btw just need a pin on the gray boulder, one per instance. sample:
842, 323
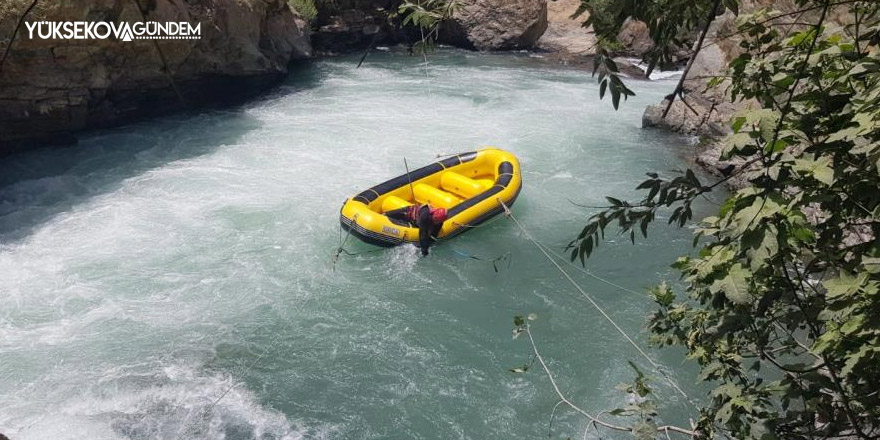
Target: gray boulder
635, 37
565, 34
496, 24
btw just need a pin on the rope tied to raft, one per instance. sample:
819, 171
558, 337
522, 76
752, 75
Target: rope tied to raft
591, 274
342, 241
641, 352
478, 225
494, 261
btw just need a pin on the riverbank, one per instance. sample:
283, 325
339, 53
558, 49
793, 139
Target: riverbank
50, 90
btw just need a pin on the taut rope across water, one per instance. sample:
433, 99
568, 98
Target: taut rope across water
655, 365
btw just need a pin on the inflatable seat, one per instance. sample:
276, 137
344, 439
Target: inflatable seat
460, 185
435, 197
393, 202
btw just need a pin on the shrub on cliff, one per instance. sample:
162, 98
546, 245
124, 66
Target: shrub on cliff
305, 8
780, 305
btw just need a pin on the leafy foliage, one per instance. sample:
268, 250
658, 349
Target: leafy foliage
640, 410
668, 21
609, 78
782, 299
640, 406
426, 15
306, 8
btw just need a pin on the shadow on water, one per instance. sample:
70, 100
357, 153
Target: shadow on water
39, 184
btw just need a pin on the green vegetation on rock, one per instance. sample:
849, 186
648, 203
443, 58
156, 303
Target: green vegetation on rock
780, 305
305, 8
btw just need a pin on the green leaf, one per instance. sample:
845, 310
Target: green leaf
853, 324
828, 340
782, 80
738, 123
735, 143
717, 257
872, 264
734, 285
819, 169
724, 413
766, 248
800, 37
843, 284
864, 355
663, 295
753, 214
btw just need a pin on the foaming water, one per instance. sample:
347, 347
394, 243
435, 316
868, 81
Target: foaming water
657, 73
173, 279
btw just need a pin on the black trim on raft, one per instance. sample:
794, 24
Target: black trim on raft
486, 216
403, 180
505, 170
458, 159
469, 156
461, 207
504, 179
450, 161
368, 196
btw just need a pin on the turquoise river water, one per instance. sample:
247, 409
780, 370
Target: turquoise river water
172, 278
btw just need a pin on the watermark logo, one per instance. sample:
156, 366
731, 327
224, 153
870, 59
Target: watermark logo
101, 30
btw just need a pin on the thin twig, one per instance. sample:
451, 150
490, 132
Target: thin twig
800, 75
553, 413
15, 32
680, 86
604, 314
168, 73
593, 419
716, 39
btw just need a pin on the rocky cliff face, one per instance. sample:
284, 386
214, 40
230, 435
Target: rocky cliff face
635, 37
53, 87
708, 110
353, 25
565, 34
496, 24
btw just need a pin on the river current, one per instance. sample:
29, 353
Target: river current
173, 278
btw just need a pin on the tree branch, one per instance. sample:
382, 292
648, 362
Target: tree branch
844, 398
15, 32
593, 419
767, 20
680, 86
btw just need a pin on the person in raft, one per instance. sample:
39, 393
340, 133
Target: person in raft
428, 219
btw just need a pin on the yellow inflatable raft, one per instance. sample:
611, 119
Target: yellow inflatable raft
468, 185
